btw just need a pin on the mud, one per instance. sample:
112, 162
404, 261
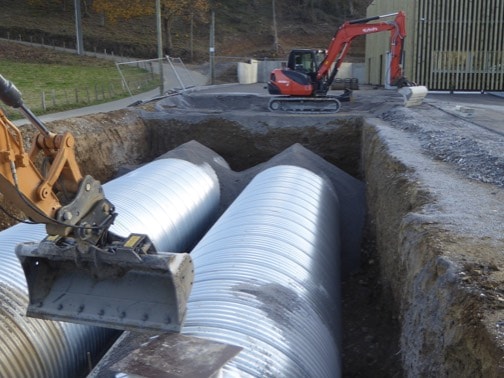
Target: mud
428, 299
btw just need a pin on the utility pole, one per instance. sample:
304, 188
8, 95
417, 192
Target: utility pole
78, 28
191, 42
159, 45
212, 49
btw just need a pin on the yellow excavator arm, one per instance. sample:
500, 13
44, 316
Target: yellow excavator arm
59, 197
80, 268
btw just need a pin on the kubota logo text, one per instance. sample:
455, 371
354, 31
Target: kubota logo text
369, 30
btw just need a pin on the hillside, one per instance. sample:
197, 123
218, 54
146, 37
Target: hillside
243, 28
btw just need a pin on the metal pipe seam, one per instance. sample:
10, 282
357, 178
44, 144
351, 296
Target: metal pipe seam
171, 200
267, 277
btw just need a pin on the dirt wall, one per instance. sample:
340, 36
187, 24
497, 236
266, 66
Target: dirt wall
248, 139
439, 263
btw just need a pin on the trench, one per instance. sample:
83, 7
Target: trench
370, 320
403, 312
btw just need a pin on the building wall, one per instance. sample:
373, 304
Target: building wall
450, 44
377, 45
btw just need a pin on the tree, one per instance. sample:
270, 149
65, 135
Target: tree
171, 10
115, 10
46, 3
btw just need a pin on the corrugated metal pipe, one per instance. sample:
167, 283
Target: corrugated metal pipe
171, 200
267, 278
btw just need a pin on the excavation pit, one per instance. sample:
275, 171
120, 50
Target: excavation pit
427, 298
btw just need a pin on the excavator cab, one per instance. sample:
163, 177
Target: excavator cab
81, 272
306, 60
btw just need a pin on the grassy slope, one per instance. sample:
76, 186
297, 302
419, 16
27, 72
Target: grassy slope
243, 28
60, 75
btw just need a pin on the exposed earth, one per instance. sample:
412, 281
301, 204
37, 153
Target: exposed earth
428, 299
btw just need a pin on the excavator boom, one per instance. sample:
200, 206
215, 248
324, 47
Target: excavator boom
81, 272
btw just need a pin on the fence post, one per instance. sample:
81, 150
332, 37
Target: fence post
43, 101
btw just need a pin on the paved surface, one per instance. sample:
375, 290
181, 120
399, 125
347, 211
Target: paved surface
484, 110
101, 108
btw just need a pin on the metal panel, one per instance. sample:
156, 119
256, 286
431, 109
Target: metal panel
170, 199
455, 44
267, 278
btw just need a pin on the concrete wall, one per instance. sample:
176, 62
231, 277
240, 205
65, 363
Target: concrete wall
247, 72
351, 71
265, 67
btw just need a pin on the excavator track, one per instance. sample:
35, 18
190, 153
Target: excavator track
304, 105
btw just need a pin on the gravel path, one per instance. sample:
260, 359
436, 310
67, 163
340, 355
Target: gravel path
474, 145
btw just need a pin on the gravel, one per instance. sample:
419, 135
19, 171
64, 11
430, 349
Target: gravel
475, 151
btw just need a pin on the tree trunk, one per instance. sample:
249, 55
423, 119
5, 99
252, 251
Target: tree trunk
86, 8
191, 36
275, 31
313, 14
167, 26
351, 8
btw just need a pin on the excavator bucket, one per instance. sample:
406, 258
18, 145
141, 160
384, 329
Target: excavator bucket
121, 290
413, 95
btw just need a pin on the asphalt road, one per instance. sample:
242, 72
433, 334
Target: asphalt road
485, 110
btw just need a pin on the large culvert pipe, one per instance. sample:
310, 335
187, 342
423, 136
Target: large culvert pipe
267, 278
171, 200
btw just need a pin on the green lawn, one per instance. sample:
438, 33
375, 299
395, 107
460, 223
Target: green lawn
51, 87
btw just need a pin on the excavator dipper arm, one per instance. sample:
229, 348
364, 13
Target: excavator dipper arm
81, 272
341, 42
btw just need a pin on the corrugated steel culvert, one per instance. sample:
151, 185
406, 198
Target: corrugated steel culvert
267, 278
171, 200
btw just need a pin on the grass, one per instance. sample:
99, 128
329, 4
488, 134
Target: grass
54, 81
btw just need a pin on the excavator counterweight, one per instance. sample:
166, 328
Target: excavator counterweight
81, 272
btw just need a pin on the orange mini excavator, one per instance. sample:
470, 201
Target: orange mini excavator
80, 265
304, 84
